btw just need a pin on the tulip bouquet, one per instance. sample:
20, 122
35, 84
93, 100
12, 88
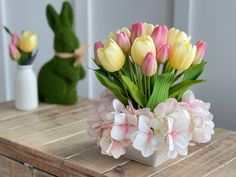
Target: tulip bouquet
148, 70
22, 47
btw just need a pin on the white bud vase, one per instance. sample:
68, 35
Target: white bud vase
26, 90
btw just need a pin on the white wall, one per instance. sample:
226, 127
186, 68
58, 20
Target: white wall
212, 21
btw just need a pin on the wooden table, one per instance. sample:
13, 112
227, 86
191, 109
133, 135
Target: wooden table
52, 141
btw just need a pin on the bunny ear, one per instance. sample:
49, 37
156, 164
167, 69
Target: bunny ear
66, 14
53, 17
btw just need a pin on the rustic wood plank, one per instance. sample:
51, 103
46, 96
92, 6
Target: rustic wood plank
8, 110
141, 170
92, 162
24, 155
39, 173
205, 161
36, 117
54, 134
68, 147
44, 125
10, 168
227, 170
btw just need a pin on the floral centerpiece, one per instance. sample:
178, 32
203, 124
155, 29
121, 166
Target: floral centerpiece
148, 70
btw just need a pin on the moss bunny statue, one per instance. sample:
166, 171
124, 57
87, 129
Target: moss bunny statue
58, 78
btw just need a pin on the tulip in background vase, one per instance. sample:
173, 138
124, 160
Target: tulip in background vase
21, 50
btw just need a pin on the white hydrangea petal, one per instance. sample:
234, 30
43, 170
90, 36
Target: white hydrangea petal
171, 143
140, 141
172, 154
147, 151
183, 152
118, 106
143, 124
182, 140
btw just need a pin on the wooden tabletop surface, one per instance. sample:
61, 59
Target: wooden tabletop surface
54, 139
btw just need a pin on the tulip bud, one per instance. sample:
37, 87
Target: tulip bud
123, 41
163, 53
201, 46
137, 30
141, 46
182, 55
97, 45
28, 41
149, 64
148, 28
176, 36
14, 52
112, 35
15, 39
111, 57
159, 36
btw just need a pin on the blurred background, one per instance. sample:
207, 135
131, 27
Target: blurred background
212, 21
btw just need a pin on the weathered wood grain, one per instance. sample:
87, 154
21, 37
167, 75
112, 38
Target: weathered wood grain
133, 167
10, 168
226, 170
39, 173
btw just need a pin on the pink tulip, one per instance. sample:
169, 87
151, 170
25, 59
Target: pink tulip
123, 41
97, 45
14, 52
201, 46
163, 53
15, 39
149, 64
159, 36
137, 30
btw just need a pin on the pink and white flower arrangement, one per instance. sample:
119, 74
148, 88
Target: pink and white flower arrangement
148, 71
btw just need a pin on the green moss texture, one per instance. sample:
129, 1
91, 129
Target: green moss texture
58, 78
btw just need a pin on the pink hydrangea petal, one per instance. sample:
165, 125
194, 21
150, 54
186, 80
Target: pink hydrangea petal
165, 108
115, 149
188, 96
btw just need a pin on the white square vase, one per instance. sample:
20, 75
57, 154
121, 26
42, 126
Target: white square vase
155, 159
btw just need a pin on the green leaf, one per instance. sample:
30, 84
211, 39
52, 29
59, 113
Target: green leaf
161, 90
194, 71
7, 30
178, 89
136, 94
116, 89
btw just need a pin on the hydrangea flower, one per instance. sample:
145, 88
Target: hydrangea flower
202, 126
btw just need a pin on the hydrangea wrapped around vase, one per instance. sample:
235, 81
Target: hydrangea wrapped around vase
148, 112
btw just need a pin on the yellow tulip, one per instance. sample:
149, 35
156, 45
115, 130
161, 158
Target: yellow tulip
141, 46
176, 36
182, 55
148, 28
111, 57
28, 41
